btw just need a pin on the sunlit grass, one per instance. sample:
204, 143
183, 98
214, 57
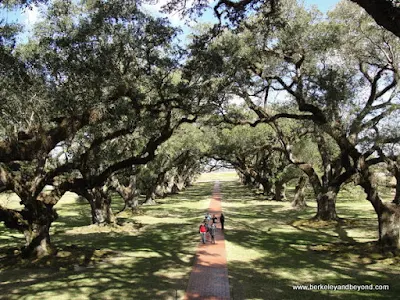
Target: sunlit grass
149, 255
271, 247
10, 200
220, 176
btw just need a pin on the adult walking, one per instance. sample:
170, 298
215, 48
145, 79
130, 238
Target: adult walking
222, 220
209, 278
212, 233
214, 219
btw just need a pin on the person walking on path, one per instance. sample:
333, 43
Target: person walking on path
222, 220
207, 217
212, 233
209, 278
214, 219
207, 224
203, 232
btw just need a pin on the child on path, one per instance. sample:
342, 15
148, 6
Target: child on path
203, 232
222, 220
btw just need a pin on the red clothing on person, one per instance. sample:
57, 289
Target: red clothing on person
203, 228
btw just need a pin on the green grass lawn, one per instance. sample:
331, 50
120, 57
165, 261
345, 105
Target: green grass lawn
271, 247
149, 255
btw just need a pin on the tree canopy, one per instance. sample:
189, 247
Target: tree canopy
105, 97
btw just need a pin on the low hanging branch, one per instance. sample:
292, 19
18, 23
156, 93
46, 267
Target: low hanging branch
385, 12
13, 219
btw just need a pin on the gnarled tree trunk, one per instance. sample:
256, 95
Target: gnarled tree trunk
388, 213
385, 12
175, 189
246, 179
180, 182
299, 201
326, 205
100, 204
396, 173
161, 190
396, 199
280, 188
131, 202
326, 195
169, 185
390, 226
267, 188
40, 216
150, 196
37, 240
36, 231
128, 193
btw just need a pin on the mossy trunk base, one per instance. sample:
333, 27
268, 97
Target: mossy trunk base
326, 207
390, 227
299, 201
37, 242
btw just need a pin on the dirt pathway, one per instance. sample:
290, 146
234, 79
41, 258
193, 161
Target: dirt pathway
209, 277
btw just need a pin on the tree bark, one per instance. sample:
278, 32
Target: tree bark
40, 216
325, 194
388, 213
169, 185
100, 204
180, 182
396, 172
36, 231
396, 199
128, 193
326, 205
280, 188
38, 241
390, 226
247, 179
267, 188
175, 189
130, 203
150, 199
35, 219
385, 12
299, 197
161, 190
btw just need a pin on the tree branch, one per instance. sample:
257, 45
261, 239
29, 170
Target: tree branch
385, 12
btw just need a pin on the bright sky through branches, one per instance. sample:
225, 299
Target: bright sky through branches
176, 20
29, 16
322, 5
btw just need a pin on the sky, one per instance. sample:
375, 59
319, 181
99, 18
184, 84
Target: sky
323, 5
29, 16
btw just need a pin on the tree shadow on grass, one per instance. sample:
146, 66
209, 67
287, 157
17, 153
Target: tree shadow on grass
131, 267
151, 262
191, 194
301, 258
278, 254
